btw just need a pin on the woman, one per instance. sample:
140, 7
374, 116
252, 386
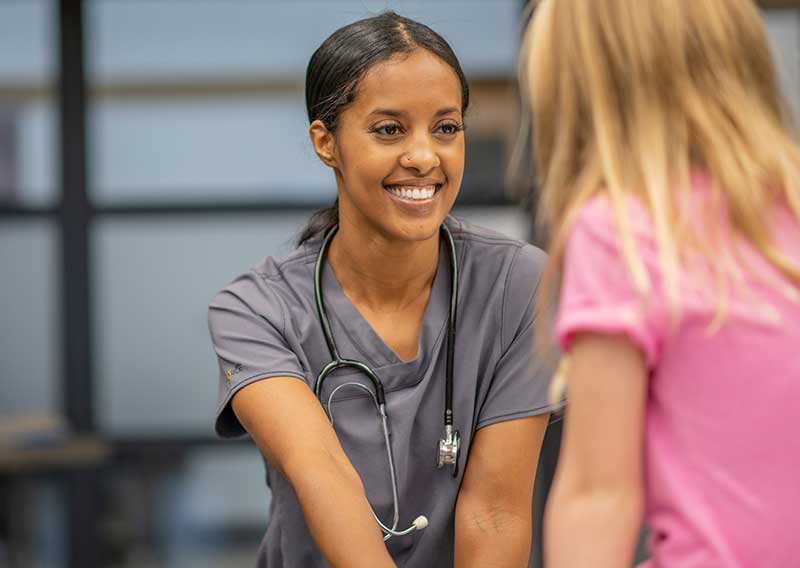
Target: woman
671, 186
386, 100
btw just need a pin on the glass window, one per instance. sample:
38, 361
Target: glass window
27, 111
207, 509
160, 151
30, 322
510, 220
245, 500
156, 371
783, 27
27, 32
167, 149
173, 40
207, 103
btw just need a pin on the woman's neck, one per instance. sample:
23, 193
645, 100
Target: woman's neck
383, 275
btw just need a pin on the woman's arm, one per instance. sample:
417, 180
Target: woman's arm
290, 428
493, 513
594, 512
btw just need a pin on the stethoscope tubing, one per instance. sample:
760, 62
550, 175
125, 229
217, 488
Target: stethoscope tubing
451, 328
338, 362
379, 397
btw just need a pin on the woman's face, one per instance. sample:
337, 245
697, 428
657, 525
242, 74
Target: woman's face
399, 148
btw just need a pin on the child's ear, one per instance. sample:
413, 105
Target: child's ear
324, 143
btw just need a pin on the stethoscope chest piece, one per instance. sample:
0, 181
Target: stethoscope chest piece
449, 449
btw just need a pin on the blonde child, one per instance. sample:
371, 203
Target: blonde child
669, 186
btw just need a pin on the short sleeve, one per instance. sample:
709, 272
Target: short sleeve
521, 378
247, 327
597, 294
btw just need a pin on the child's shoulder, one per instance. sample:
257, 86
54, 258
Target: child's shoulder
599, 217
600, 211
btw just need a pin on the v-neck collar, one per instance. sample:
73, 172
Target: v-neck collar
365, 339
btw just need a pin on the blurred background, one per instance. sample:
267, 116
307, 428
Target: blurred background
150, 151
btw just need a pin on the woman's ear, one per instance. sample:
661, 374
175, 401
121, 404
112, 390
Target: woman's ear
324, 143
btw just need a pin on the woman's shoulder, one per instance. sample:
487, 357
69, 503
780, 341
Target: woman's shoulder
488, 248
499, 273
272, 276
465, 230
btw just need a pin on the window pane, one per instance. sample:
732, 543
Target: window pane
29, 319
208, 508
156, 371
177, 40
245, 499
208, 104
511, 221
168, 149
26, 41
27, 111
783, 27
165, 150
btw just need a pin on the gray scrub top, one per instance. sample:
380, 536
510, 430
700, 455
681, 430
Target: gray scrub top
264, 324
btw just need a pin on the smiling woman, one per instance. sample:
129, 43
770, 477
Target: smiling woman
337, 72
370, 301
403, 135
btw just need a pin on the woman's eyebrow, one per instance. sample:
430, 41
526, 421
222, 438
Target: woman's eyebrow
388, 112
447, 110
400, 113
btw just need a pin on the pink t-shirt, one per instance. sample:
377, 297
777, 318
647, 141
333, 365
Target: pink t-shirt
722, 441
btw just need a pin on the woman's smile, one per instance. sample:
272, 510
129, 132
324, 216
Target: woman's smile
414, 191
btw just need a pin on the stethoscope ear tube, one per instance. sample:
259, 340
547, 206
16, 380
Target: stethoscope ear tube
338, 362
322, 314
380, 395
450, 446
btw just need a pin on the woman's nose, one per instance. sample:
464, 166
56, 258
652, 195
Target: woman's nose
421, 156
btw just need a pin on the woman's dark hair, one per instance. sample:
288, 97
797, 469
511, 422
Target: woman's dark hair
338, 65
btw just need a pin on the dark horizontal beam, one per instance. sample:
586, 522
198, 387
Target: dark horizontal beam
178, 208
205, 208
22, 212
199, 87
147, 450
780, 3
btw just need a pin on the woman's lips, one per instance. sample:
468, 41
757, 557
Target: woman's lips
414, 193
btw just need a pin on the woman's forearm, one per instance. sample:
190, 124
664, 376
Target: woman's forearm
338, 514
493, 524
290, 428
597, 528
492, 537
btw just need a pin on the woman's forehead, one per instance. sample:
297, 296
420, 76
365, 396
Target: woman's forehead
418, 79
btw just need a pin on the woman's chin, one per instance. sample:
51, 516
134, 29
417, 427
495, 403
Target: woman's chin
417, 230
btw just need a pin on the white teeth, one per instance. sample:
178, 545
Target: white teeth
413, 193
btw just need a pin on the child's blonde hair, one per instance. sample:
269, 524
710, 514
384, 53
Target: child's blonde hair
628, 96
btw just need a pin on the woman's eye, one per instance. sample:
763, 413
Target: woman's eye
449, 128
387, 130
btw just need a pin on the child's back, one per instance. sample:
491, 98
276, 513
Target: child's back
722, 441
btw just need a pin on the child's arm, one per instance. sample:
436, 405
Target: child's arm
596, 504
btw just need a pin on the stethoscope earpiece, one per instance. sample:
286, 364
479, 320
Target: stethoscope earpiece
420, 522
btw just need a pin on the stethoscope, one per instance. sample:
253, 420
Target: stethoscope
449, 447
